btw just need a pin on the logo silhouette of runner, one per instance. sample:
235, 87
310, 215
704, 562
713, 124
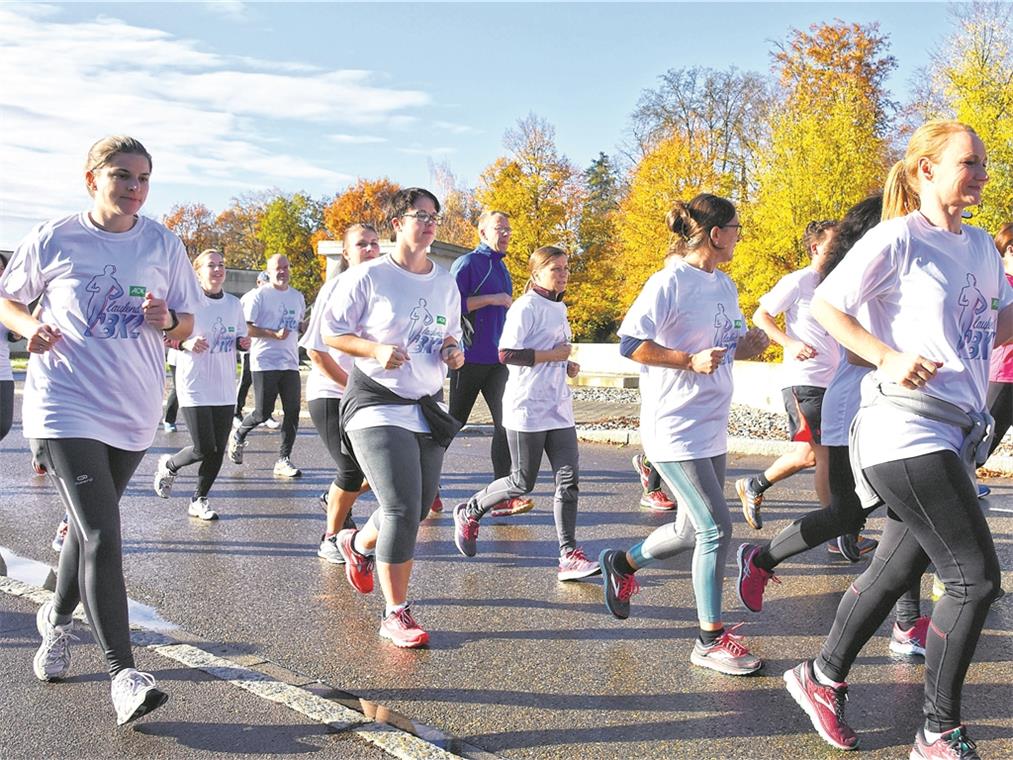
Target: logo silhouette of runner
103, 288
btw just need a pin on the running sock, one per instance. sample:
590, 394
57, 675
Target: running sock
825, 680
930, 736
763, 560
761, 483
623, 565
329, 536
355, 547
710, 638
390, 610
60, 620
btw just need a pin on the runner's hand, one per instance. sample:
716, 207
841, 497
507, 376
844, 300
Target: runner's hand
44, 338
196, 345
390, 357
156, 313
706, 361
908, 370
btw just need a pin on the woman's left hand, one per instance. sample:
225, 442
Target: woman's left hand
453, 356
754, 342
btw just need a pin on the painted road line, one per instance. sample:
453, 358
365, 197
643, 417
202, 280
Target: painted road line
392, 740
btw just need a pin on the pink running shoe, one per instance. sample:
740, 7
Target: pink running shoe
574, 565
657, 501
509, 507
911, 641
358, 567
437, 505
753, 580
400, 627
465, 530
953, 745
726, 655
643, 469
823, 704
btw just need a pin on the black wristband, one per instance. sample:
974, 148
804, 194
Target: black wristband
175, 321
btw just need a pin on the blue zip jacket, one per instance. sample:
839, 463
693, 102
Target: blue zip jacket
488, 321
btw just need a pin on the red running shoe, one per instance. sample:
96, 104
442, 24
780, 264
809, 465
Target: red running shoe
752, 579
358, 567
509, 507
953, 745
400, 627
911, 641
823, 704
437, 505
657, 501
643, 469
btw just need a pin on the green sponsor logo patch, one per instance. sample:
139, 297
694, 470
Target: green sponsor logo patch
232, 329
440, 319
137, 291
995, 304
738, 324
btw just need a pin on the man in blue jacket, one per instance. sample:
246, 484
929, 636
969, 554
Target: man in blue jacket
486, 294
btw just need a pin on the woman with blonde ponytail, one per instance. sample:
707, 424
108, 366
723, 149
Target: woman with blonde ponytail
537, 412
935, 301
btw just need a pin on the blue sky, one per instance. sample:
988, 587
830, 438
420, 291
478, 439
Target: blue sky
232, 97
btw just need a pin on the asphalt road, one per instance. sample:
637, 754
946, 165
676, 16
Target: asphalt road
520, 665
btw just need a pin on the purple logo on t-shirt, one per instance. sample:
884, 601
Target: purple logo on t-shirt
108, 314
726, 333
977, 328
422, 339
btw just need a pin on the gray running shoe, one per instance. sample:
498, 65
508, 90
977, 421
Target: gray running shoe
199, 508
726, 655
235, 450
164, 477
751, 501
284, 468
329, 550
135, 694
52, 661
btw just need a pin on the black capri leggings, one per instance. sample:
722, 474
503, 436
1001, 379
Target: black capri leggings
934, 517
1000, 406
90, 477
209, 428
327, 420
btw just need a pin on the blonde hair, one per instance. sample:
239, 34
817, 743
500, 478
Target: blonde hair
538, 259
101, 152
900, 193
342, 264
1004, 238
204, 255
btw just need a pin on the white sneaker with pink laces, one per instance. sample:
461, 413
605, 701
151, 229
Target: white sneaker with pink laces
574, 565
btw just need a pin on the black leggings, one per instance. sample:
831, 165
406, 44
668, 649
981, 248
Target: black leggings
245, 381
1000, 406
6, 407
172, 401
209, 429
844, 516
90, 477
267, 386
490, 379
935, 517
326, 418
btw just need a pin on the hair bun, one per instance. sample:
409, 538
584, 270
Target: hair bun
679, 220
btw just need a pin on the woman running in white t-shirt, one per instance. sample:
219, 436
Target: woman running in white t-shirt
686, 328
537, 412
6, 374
325, 387
110, 283
205, 382
400, 316
937, 301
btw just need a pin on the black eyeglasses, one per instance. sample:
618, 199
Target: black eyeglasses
423, 217
737, 227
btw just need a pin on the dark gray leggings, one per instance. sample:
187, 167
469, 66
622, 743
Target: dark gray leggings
90, 477
209, 430
6, 407
526, 455
267, 386
934, 516
403, 469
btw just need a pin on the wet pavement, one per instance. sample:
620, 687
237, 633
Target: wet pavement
520, 665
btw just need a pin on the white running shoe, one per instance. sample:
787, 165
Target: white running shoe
329, 550
284, 468
272, 424
199, 508
235, 449
135, 694
164, 477
52, 661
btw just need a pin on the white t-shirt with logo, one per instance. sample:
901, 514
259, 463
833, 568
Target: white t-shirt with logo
104, 379
382, 302
929, 292
209, 378
537, 397
683, 414
792, 296
273, 309
318, 384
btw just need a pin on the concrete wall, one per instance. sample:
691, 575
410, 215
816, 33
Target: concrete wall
757, 384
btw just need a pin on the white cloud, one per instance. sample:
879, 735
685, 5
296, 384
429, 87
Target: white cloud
234, 10
418, 151
456, 129
356, 139
210, 120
